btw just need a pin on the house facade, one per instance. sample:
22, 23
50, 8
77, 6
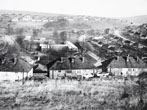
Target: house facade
126, 66
15, 76
72, 67
27, 18
15, 72
56, 73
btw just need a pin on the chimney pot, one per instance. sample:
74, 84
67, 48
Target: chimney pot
128, 58
118, 57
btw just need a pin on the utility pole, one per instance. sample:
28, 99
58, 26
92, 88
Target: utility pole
23, 77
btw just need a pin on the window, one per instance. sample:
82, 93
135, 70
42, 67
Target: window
69, 71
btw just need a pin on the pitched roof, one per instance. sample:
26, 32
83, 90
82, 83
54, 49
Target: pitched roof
39, 68
77, 64
20, 66
123, 63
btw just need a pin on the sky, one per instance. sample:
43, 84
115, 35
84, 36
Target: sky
101, 8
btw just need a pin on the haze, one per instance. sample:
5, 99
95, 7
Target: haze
102, 8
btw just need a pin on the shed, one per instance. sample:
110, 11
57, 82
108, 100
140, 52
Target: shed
39, 71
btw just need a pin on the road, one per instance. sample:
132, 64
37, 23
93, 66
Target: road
117, 33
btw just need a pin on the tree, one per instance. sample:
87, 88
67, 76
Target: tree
9, 29
142, 82
56, 36
56, 54
13, 49
19, 40
63, 23
19, 31
35, 32
107, 31
63, 36
59, 24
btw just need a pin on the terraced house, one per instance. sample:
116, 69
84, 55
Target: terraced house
12, 69
126, 66
72, 66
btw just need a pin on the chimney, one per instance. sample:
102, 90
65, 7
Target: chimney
128, 58
3, 60
72, 60
137, 59
15, 61
61, 60
83, 59
118, 57
38, 59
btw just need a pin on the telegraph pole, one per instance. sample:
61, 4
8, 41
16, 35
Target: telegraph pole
23, 76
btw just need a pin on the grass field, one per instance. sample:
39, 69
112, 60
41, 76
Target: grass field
102, 94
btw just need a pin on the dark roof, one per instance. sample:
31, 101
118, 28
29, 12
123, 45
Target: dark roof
20, 66
107, 62
143, 75
77, 64
39, 69
123, 63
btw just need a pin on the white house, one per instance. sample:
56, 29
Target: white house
125, 66
27, 18
15, 76
74, 66
19, 71
16, 19
81, 72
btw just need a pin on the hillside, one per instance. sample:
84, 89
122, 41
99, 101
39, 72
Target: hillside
108, 23
137, 19
95, 22
27, 12
75, 21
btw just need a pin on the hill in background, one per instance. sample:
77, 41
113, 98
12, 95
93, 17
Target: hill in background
75, 21
137, 19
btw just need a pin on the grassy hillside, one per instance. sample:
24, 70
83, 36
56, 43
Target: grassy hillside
108, 23
27, 12
79, 23
103, 94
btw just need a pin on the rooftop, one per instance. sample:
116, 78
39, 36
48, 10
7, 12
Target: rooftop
76, 64
20, 66
122, 62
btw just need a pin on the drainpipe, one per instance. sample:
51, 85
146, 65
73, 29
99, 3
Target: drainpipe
110, 68
118, 58
48, 72
23, 77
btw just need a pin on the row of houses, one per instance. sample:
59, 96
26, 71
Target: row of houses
125, 66
41, 18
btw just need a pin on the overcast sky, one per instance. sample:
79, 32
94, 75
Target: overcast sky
103, 8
